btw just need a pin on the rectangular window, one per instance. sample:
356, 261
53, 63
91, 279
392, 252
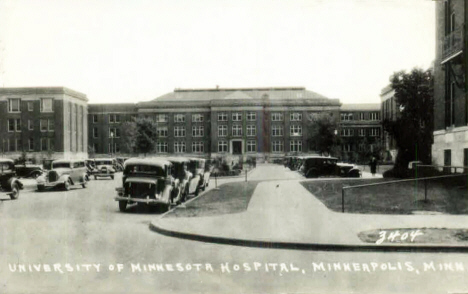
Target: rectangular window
30, 106
362, 132
296, 146
346, 116
346, 147
222, 116
30, 125
222, 146
43, 144
313, 116
374, 115
277, 131
278, 146
43, 125
276, 116
251, 116
251, 146
197, 117
51, 125
19, 145
236, 116
198, 131
179, 118
114, 118
11, 125
179, 147
95, 132
14, 105
222, 130
46, 104
296, 116
237, 130
18, 124
251, 130
375, 132
296, 130
114, 133
179, 131
162, 132
362, 116
31, 144
95, 118
96, 147
347, 132
162, 118
161, 147
11, 145
198, 147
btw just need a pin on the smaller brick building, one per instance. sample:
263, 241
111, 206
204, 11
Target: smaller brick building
44, 122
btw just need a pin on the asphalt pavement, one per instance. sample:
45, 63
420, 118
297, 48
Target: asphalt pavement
79, 242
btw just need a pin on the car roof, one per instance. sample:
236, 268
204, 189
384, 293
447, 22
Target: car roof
66, 160
320, 157
147, 161
2, 160
195, 158
178, 159
105, 158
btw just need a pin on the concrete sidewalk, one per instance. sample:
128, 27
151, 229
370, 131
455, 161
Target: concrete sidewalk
285, 212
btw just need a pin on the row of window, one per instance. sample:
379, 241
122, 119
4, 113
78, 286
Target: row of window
360, 147
11, 145
14, 105
45, 125
373, 132
347, 116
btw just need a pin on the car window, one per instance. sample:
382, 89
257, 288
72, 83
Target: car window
103, 162
5, 166
145, 169
61, 165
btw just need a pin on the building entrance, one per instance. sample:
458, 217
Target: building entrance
236, 147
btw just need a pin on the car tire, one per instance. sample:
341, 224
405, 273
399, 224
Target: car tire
84, 184
95, 177
122, 205
312, 174
15, 191
112, 177
66, 185
40, 188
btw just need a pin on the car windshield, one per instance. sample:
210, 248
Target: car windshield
145, 169
5, 166
61, 164
103, 162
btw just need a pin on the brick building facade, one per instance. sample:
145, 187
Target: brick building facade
45, 122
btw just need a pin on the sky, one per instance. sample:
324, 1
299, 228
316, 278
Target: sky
117, 51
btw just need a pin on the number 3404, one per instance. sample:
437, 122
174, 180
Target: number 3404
396, 236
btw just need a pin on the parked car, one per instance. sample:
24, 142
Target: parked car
28, 170
181, 177
201, 177
105, 167
64, 173
146, 181
317, 166
9, 183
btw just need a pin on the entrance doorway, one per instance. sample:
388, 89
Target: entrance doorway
236, 147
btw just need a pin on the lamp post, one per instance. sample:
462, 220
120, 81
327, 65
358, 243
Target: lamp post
112, 142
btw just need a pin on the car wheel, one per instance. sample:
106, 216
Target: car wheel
40, 188
84, 184
15, 191
112, 177
122, 205
66, 185
95, 177
311, 174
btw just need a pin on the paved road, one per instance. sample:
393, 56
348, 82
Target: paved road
84, 226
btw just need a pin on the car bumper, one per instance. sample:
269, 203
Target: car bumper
50, 184
149, 201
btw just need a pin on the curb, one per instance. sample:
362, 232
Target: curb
309, 246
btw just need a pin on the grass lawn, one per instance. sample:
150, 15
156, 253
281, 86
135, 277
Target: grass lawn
447, 196
230, 198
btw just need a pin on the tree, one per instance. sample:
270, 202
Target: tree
323, 130
146, 135
128, 133
413, 127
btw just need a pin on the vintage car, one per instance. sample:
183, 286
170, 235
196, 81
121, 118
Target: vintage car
317, 166
9, 183
105, 167
64, 173
146, 181
28, 170
200, 176
181, 177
